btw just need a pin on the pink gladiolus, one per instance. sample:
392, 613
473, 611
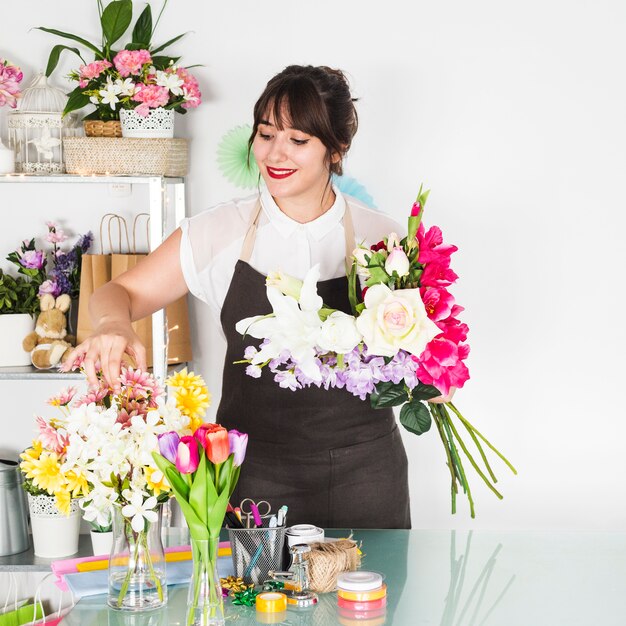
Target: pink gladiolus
437, 274
432, 247
438, 302
129, 62
187, 456
238, 443
416, 209
441, 365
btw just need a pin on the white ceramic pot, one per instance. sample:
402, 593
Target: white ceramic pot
158, 124
13, 329
101, 542
7, 159
54, 534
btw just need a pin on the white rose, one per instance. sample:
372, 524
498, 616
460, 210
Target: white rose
398, 261
361, 261
339, 333
393, 241
395, 320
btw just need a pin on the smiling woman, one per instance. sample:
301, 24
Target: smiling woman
307, 450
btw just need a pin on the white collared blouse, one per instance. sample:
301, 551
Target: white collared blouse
211, 242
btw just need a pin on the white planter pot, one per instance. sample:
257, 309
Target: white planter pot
158, 124
13, 329
101, 543
54, 534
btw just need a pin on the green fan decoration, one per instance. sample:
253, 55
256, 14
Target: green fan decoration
232, 158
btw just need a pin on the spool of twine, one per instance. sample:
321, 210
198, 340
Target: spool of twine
328, 560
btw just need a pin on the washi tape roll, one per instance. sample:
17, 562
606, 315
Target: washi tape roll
371, 605
271, 602
370, 618
359, 581
363, 596
303, 533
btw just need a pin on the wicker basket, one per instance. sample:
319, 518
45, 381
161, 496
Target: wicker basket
123, 155
98, 128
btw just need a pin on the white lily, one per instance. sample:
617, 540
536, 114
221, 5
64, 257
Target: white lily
139, 510
110, 93
170, 80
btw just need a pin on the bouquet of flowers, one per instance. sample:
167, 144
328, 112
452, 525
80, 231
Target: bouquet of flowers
403, 345
10, 78
109, 439
32, 263
136, 77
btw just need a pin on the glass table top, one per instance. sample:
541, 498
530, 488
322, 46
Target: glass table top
449, 578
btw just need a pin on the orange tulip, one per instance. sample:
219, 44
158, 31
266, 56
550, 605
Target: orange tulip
214, 439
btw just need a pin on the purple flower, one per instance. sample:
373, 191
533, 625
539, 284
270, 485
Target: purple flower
49, 286
287, 380
238, 443
249, 352
168, 445
33, 259
254, 371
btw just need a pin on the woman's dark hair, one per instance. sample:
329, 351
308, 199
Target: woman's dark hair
315, 100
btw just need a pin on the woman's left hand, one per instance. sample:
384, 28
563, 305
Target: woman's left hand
444, 399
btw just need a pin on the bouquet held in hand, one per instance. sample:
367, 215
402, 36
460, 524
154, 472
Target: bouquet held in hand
403, 345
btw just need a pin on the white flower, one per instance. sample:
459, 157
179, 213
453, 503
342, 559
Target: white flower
395, 320
393, 241
287, 285
294, 326
339, 333
110, 93
126, 86
170, 80
359, 255
94, 99
138, 510
397, 261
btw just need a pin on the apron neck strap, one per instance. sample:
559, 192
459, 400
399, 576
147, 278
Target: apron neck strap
248, 242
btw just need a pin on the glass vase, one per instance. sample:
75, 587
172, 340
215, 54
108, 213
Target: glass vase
205, 604
137, 565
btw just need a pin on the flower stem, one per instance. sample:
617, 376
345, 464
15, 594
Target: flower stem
453, 487
155, 578
468, 425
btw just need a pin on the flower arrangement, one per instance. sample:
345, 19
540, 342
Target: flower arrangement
10, 78
21, 294
136, 77
403, 345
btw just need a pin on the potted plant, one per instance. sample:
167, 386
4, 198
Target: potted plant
136, 81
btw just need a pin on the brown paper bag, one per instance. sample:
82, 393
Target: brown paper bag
98, 269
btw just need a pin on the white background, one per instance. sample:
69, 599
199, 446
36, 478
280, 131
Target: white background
513, 114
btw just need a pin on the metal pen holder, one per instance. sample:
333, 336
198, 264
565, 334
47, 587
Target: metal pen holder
256, 551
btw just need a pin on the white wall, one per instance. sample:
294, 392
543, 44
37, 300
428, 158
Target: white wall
513, 114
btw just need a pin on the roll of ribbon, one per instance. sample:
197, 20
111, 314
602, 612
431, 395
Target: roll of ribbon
359, 581
363, 596
304, 533
371, 605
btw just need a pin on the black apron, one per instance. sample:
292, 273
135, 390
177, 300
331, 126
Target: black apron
331, 458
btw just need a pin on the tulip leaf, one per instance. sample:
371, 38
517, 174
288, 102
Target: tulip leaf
389, 394
415, 417
217, 512
173, 476
116, 19
425, 392
53, 59
233, 480
167, 43
198, 491
143, 28
225, 472
54, 31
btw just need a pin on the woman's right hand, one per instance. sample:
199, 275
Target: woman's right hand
105, 350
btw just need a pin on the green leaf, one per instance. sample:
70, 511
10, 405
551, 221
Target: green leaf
143, 28
163, 62
115, 20
415, 417
352, 280
54, 31
53, 59
167, 43
225, 472
233, 480
377, 276
198, 491
77, 100
425, 392
389, 394
217, 512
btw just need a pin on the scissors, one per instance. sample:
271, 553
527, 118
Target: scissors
254, 510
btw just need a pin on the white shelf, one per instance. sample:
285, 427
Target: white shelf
28, 372
74, 178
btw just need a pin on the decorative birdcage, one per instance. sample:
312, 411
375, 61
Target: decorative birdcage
36, 129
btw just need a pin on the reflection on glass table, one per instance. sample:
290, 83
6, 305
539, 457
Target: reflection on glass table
448, 578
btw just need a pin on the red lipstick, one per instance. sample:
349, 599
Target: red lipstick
279, 172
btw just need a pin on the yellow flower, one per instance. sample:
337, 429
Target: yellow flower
28, 456
63, 500
193, 402
77, 484
156, 481
194, 424
46, 473
185, 380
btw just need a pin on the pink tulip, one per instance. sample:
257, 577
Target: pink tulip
187, 457
238, 443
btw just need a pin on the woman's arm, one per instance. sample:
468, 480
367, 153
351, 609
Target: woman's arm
156, 281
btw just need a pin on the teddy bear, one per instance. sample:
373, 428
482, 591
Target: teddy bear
49, 344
